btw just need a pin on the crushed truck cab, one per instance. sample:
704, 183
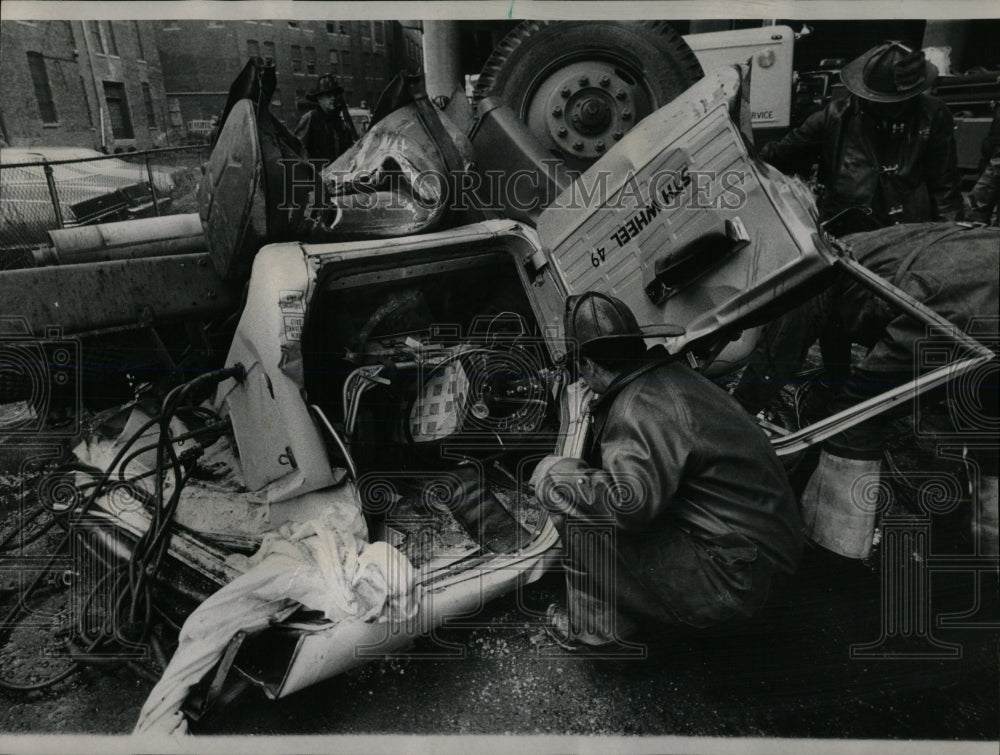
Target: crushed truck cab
378, 368
416, 380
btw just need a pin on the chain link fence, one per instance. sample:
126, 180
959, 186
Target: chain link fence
43, 189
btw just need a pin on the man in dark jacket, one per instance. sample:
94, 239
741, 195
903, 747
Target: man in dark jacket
322, 130
985, 195
679, 512
951, 268
888, 147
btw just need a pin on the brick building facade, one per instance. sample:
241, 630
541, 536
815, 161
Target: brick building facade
95, 84
200, 59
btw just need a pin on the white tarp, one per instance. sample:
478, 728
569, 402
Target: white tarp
325, 565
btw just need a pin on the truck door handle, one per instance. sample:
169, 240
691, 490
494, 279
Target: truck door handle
695, 258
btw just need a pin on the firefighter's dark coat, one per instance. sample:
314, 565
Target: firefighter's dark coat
700, 505
905, 176
323, 135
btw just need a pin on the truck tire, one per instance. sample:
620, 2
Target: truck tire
581, 85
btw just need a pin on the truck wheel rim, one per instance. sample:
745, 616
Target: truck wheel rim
585, 107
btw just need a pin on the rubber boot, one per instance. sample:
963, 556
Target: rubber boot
839, 504
985, 521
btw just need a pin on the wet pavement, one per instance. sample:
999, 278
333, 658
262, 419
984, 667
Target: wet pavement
789, 673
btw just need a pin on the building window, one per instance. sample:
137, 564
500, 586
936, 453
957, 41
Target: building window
296, 59
174, 108
43, 93
94, 29
300, 96
103, 35
331, 27
342, 29
366, 30
147, 99
121, 122
171, 25
379, 33
109, 28
138, 40
293, 24
269, 53
311, 60
345, 62
253, 49
334, 60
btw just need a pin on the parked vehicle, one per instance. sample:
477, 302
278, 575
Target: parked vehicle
91, 188
361, 117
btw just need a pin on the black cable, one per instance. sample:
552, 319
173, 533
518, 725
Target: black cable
206, 430
57, 517
149, 552
154, 545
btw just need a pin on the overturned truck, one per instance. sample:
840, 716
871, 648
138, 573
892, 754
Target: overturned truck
305, 420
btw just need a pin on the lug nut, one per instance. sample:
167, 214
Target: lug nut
626, 114
605, 81
563, 131
599, 146
565, 92
621, 94
583, 81
557, 111
618, 135
578, 146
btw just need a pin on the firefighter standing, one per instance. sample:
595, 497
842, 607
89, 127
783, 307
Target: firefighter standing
322, 130
889, 146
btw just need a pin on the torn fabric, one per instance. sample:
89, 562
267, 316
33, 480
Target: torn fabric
325, 565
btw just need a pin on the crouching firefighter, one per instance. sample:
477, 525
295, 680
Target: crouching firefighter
679, 512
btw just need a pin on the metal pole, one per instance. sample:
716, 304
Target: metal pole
53, 194
152, 187
93, 80
442, 58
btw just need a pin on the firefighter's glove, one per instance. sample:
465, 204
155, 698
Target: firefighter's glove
574, 417
563, 487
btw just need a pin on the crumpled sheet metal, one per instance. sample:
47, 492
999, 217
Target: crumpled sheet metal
454, 592
325, 564
392, 182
